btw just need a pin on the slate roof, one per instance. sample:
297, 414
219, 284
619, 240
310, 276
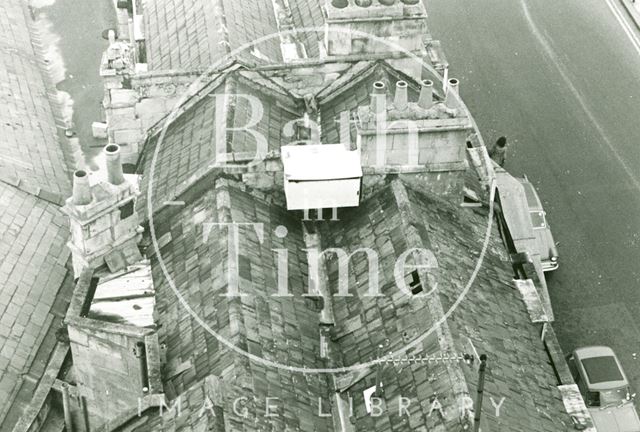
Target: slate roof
29, 146
194, 34
189, 144
308, 14
492, 316
281, 329
495, 318
33, 257
33, 231
517, 371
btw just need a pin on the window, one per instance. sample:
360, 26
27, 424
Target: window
537, 219
126, 210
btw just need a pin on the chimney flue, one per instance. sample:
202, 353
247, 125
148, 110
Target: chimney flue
114, 167
426, 94
452, 97
81, 188
379, 98
339, 4
400, 100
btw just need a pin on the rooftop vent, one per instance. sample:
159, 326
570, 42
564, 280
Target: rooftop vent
321, 176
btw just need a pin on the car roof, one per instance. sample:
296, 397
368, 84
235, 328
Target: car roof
601, 367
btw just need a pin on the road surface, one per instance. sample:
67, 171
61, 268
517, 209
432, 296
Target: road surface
75, 28
561, 79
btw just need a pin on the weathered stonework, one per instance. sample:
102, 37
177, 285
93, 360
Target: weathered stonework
114, 365
104, 224
374, 27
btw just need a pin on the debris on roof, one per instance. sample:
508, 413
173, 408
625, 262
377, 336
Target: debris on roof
126, 297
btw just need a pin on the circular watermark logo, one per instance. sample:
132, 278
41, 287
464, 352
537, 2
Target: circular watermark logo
281, 231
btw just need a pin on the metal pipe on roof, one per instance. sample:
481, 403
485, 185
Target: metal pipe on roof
66, 407
115, 175
478, 408
401, 97
81, 188
426, 94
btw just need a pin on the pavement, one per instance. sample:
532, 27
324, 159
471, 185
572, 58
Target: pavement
560, 80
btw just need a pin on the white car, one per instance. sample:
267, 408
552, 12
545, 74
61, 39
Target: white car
605, 389
545, 244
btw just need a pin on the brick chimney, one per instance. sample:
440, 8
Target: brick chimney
363, 26
104, 224
424, 138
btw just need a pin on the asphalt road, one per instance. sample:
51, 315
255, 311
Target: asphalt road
561, 80
76, 28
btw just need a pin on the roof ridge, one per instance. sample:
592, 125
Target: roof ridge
223, 30
286, 23
29, 188
445, 339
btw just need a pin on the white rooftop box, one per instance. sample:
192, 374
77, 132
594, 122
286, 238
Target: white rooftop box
321, 176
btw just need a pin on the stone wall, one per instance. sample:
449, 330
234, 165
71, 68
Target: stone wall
130, 112
114, 365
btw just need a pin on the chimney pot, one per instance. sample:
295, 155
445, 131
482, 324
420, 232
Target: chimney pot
379, 97
339, 4
364, 3
112, 36
426, 94
400, 101
387, 2
114, 166
452, 98
81, 188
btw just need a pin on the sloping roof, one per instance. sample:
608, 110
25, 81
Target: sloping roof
29, 146
195, 34
33, 257
33, 231
517, 362
191, 143
283, 329
308, 14
492, 317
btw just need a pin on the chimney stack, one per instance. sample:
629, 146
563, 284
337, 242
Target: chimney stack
400, 100
426, 94
112, 36
81, 188
114, 166
379, 98
452, 99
